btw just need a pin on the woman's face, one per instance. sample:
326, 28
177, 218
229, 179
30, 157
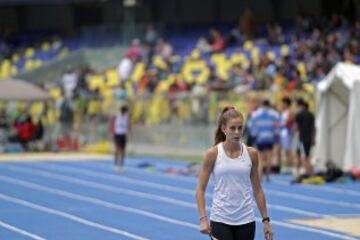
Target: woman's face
233, 129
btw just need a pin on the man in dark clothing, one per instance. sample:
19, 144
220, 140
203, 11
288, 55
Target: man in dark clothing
305, 126
4, 125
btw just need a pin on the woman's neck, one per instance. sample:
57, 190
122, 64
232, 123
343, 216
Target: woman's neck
232, 146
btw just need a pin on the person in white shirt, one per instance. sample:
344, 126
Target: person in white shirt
125, 68
234, 168
120, 128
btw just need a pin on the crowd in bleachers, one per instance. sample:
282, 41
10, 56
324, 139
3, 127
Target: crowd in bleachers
20, 129
243, 59
277, 60
274, 57
19, 54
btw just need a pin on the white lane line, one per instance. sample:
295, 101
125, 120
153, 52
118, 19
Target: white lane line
20, 231
172, 201
106, 166
96, 201
116, 178
192, 192
159, 174
279, 223
69, 216
320, 188
96, 185
313, 199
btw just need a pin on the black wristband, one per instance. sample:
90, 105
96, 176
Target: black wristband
266, 219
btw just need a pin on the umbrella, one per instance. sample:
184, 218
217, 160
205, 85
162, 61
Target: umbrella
19, 90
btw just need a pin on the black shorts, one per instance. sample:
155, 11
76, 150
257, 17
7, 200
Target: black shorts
303, 149
120, 140
265, 147
224, 231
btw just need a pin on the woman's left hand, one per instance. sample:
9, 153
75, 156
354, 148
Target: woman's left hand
267, 231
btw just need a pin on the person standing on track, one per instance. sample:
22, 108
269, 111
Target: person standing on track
305, 126
265, 123
234, 168
286, 133
120, 128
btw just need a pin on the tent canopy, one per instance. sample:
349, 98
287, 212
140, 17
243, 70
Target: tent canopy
338, 120
19, 90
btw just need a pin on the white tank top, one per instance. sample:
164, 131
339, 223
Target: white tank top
232, 199
121, 124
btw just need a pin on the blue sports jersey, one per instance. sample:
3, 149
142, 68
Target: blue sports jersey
265, 124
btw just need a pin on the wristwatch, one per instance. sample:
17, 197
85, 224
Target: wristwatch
265, 219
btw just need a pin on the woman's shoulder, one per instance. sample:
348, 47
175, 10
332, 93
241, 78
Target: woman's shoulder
253, 153
211, 153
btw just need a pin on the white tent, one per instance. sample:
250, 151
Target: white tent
19, 90
338, 120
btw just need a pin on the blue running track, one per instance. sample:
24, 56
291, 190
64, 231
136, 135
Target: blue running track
87, 200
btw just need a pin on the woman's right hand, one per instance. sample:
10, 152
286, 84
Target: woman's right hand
204, 226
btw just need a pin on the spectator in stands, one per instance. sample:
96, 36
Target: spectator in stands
146, 53
305, 127
69, 82
274, 33
217, 41
66, 119
286, 132
203, 45
178, 86
134, 52
265, 123
164, 49
125, 68
151, 35
25, 129
4, 125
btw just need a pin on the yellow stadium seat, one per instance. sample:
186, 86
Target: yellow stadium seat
271, 55
15, 58
45, 46
55, 92
159, 62
29, 65
195, 54
255, 52
37, 63
309, 88
94, 107
96, 82
5, 68
248, 45
37, 108
237, 58
14, 70
302, 69
112, 78
138, 72
130, 90
163, 86
29, 52
284, 50
195, 66
218, 57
